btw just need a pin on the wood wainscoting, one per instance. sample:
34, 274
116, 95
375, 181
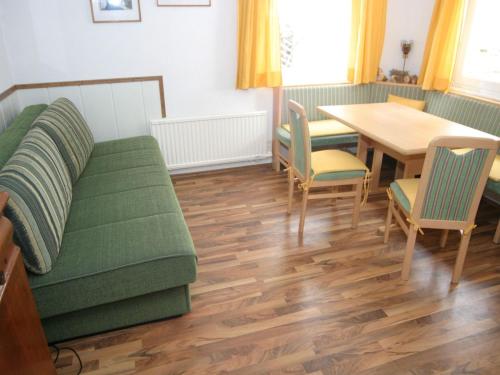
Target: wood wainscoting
114, 108
265, 303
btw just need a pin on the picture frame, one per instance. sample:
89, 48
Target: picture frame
115, 11
184, 3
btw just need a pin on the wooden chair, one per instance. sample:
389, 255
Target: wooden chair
445, 197
319, 169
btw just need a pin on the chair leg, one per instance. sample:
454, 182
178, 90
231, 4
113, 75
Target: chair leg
444, 238
305, 196
276, 155
410, 247
459, 263
388, 221
496, 238
357, 206
291, 185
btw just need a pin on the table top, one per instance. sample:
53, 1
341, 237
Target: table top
401, 128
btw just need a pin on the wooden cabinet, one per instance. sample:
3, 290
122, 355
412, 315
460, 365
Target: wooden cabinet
23, 346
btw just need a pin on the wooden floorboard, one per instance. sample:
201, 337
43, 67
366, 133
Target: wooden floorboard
266, 302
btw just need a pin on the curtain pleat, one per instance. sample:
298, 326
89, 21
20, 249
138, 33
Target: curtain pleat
442, 45
367, 39
259, 55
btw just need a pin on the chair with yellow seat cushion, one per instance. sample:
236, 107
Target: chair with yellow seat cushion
415, 104
327, 168
445, 197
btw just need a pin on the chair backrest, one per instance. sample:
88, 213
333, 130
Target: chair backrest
300, 150
452, 182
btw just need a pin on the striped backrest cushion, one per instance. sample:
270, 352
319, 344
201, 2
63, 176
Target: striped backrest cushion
310, 97
379, 92
68, 129
452, 183
39, 186
466, 111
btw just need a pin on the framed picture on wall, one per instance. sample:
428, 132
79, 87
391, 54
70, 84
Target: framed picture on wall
183, 3
106, 11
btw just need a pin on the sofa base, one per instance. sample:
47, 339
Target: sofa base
146, 308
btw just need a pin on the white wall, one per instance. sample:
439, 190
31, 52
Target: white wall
406, 20
5, 73
193, 48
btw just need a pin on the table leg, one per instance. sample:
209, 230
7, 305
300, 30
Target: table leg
362, 148
413, 168
376, 168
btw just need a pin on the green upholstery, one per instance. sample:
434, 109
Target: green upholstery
452, 184
493, 186
311, 97
40, 190
466, 111
318, 142
122, 145
145, 308
68, 129
339, 175
301, 149
400, 196
11, 137
115, 261
127, 236
380, 92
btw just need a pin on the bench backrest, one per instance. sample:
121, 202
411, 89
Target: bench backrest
475, 113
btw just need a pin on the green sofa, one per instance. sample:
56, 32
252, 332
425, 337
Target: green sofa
126, 256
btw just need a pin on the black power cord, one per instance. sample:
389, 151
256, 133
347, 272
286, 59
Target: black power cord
58, 351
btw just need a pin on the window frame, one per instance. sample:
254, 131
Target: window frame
470, 86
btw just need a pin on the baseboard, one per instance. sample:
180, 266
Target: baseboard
218, 166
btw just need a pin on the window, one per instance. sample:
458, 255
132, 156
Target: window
477, 69
315, 37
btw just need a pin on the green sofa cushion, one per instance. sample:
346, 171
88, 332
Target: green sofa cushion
39, 187
68, 129
122, 161
116, 261
14, 134
124, 145
125, 231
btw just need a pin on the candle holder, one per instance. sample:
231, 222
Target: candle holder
406, 48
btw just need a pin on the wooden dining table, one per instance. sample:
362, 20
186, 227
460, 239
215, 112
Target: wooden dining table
399, 131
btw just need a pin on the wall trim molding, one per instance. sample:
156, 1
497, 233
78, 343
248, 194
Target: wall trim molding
43, 85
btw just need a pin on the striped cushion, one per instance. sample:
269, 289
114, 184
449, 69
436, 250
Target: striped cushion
39, 186
67, 128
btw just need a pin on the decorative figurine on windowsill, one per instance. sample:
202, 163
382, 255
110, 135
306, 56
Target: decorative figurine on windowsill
381, 76
406, 48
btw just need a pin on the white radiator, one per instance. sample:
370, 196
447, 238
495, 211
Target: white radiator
213, 142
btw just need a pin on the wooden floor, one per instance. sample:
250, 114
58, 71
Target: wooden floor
264, 303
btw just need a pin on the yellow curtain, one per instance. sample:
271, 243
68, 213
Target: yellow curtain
259, 55
367, 39
442, 45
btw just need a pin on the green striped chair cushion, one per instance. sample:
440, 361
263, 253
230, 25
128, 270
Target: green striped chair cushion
39, 186
67, 128
452, 184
